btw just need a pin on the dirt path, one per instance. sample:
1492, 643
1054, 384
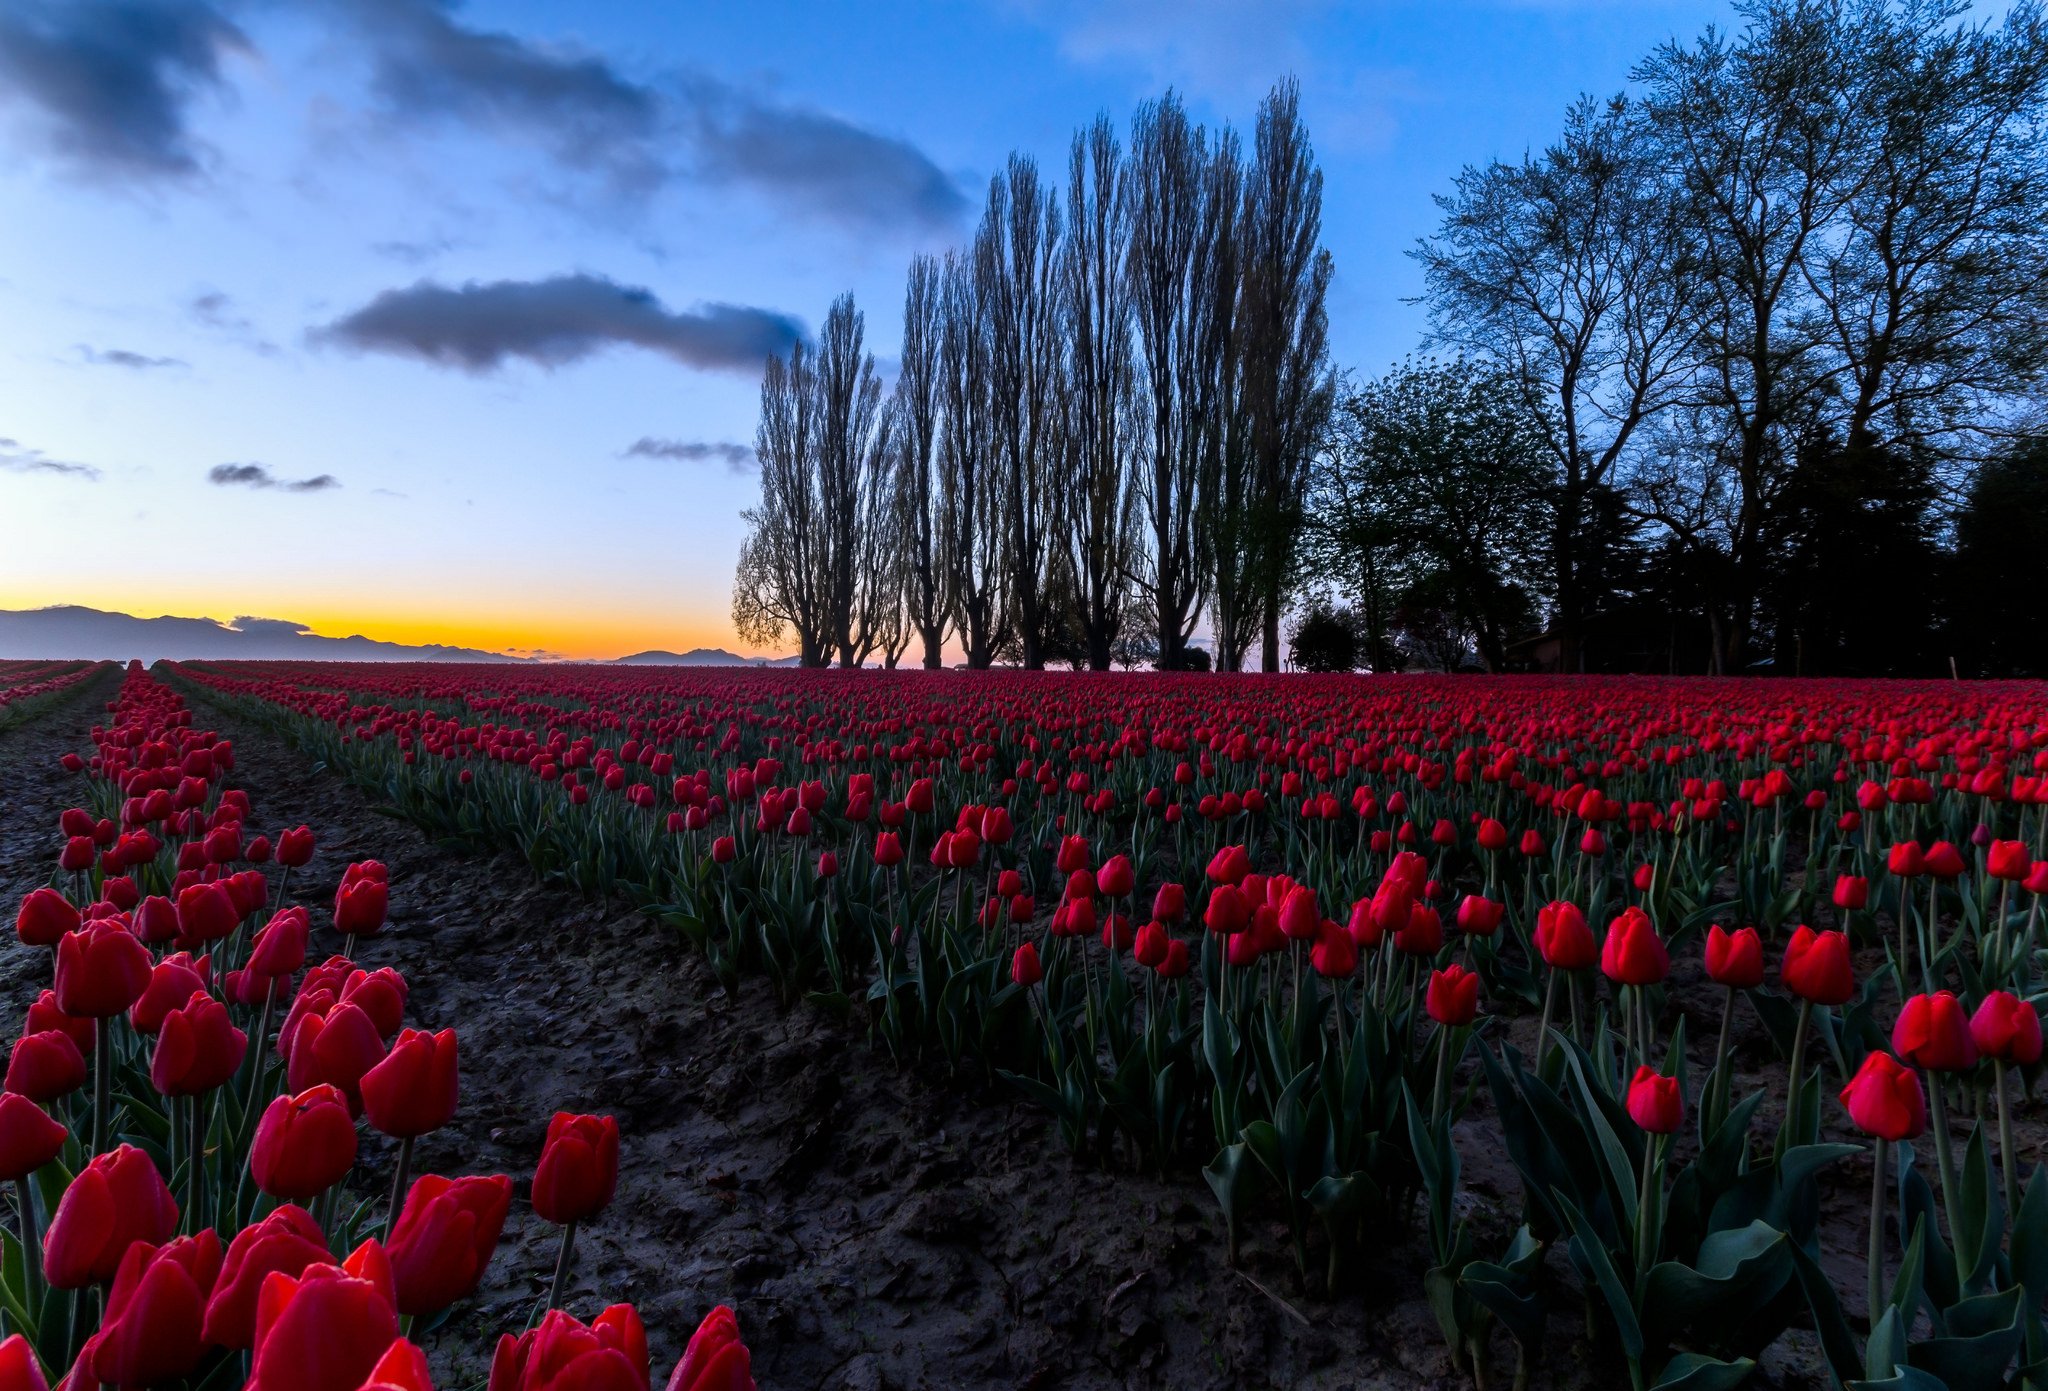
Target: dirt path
34, 791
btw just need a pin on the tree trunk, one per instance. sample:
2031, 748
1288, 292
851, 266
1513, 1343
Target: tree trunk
934, 640
1269, 644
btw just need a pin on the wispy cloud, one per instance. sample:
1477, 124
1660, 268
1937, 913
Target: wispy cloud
122, 357
554, 322
16, 457
106, 83
259, 476
737, 458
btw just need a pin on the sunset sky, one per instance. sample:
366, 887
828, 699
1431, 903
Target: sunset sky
440, 322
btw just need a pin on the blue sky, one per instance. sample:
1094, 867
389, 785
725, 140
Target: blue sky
351, 312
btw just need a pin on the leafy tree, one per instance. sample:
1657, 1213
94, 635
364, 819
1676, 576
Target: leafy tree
1440, 470
1325, 639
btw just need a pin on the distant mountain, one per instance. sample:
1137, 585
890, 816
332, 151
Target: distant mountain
695, 657
94, 634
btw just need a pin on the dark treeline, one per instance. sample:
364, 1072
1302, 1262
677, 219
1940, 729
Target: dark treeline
1102, 430
1741, 372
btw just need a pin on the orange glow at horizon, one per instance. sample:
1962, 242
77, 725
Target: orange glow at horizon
554, 627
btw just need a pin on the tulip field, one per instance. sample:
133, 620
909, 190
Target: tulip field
182, 1109
1735, 982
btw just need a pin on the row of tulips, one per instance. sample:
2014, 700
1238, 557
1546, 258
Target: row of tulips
1127, 897
27, 687
184, 1113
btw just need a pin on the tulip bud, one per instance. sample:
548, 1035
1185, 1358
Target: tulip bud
304, 1144
1816, 967
444, 1237
579, 1168
1655, 1103
1884, 1099
1453, 996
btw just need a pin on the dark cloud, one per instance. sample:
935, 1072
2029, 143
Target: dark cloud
556, 321
736, 457
16, 457
815, 160
258, 476
428, 65
107, 82
121, 357
269, 627
425, 64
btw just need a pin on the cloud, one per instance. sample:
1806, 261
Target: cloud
107, 82
269, 627
815, 160
555, 321
16, 457
426, 65
737, 458
121, 357
216, 310
258, 476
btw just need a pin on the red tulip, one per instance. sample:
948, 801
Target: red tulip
1480, 916
304, 1144
326, 1329
197, 1049
1906, 860
295, 847
1735, 959
1335, 955
151, 1331
1851, 892
336, 1048
1655, 1103
1229, 865
1115, 878
563, 1354
2007, 859
45, 1066
579, 1168
101, 970
1227, 911
1453, 996
1563, 939
29, 1138
1301, 918
1816, 967
1884, 1099
2007, 1028
1170, 904
45, 917
444, 1237
1932, 1032
360, 906
206, 913
118, 1199
715, 1360
723, 851
1633, 953
1148, 949
1024, 967
174, 981
19, 1369
287, 1241
412, 1092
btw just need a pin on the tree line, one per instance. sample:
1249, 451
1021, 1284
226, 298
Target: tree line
1742, 371
1102, 424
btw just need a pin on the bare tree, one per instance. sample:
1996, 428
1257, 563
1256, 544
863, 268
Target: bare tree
1228, 486
927, 579
785, 574
1016, 266
1933, 285
1760, 131
852, 438
1567, 269
1286, 388
1099, 526
971, 492
1170, 217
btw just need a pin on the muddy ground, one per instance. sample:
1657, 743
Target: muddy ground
872, 1226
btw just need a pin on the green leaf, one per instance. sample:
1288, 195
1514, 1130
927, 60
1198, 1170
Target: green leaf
1981, 1222
1592, 1256
1692, 1371
1837, 1343
2030, 1237
1983, 1334
1735, 1273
